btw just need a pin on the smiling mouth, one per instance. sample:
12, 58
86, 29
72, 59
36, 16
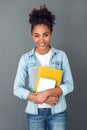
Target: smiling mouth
42, 44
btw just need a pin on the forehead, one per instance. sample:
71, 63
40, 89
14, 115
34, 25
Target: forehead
41, 28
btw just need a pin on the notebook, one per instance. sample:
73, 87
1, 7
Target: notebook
45, 83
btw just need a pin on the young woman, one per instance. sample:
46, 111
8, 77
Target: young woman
46, 109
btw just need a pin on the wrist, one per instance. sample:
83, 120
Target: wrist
29, 96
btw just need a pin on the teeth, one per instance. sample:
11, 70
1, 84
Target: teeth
42, 44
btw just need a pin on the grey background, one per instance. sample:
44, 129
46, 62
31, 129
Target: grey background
70, 35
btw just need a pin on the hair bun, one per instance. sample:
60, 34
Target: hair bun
41, 15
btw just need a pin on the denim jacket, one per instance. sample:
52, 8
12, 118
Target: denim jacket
29, 60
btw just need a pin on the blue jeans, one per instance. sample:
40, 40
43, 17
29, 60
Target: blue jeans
47, 121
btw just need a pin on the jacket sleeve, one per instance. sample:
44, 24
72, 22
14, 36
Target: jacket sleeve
67, 85
19, 83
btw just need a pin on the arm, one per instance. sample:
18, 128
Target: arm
57, 91
67, 84
51, 100
19, 84
42, 97
50, 96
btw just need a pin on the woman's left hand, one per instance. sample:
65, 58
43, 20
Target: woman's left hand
41, 97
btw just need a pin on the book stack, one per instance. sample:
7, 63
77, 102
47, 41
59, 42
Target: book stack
45, 78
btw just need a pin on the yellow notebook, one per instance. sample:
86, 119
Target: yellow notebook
47, 72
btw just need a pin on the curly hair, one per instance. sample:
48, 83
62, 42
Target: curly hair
42, 16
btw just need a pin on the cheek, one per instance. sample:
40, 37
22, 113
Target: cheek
35, 40
48, 40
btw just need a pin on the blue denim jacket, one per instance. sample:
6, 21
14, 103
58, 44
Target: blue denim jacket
29, 60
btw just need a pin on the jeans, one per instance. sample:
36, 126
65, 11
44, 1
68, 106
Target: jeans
46, 121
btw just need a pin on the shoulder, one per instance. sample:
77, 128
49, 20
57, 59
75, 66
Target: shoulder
60, 55
58, 51
26, 56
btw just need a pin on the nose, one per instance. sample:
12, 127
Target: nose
41, 39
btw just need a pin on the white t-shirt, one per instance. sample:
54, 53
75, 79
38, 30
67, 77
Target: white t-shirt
44, 60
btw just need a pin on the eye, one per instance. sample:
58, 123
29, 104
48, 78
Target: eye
46, 34
36, 35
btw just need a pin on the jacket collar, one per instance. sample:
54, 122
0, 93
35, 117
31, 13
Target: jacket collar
54, 51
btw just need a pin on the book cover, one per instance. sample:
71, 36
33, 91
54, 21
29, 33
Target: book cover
50, 73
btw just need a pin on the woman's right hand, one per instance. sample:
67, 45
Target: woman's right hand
52, 100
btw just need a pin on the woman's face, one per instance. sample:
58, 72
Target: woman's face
41, 36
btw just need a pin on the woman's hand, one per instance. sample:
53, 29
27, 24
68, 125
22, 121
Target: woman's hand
50, 96
52, 100
38, 98
32, 97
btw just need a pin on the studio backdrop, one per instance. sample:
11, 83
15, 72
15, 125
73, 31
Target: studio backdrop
70, 35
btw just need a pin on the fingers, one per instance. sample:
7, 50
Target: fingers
56, 100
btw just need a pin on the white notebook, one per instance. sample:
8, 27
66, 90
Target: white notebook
45, 83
